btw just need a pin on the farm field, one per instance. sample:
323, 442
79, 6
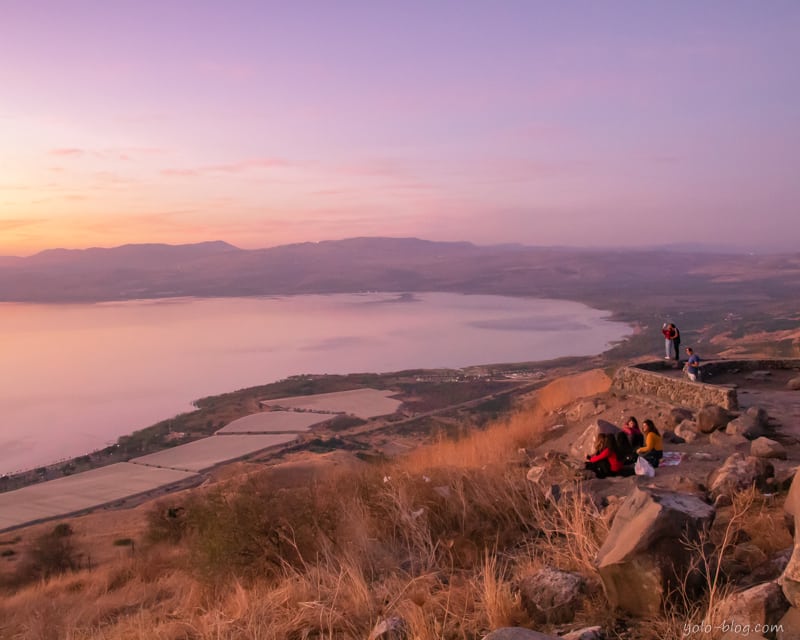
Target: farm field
82, 491
208, 452
363, 403
275, 422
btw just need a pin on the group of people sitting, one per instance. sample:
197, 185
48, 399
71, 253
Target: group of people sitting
615, 455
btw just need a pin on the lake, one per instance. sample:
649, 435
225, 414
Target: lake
76, 377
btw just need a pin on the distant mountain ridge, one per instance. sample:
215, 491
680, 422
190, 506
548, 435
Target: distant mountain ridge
219, 269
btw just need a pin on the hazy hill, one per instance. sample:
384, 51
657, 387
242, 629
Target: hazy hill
358, 264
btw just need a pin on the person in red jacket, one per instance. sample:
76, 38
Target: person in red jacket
606, 462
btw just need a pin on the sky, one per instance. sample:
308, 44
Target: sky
263, 123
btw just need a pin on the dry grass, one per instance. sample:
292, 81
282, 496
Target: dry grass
439, 539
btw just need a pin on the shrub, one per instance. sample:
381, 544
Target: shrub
124, 542
52, 553
166, 522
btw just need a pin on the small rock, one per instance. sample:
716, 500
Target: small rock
687, 430
766, 448
704, 455
759, 414
723, 439
793, 384
551, 596
745, 425
680, 414
739, 472
394, 628
535, 474
749, 555
761, 605
589, 633
711, 417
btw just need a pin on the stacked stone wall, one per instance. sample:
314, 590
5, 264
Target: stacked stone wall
648, 379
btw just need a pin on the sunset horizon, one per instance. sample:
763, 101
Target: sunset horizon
262, 124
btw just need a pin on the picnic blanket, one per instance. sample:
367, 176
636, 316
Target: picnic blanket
671, 459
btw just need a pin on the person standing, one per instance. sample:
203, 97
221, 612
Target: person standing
692, 365
667, 341
675, 337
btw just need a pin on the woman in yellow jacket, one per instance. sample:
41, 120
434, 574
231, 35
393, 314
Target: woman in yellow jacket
653, 449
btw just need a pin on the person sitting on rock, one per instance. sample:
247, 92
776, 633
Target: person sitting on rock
606, 461
634, 433
653, 449
625, 451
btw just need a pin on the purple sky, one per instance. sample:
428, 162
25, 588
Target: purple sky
261, 123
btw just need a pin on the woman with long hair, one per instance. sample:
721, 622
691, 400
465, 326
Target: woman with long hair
606, 462
653, 449
634, 433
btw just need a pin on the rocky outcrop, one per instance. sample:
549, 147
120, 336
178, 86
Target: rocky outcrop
712, 417
790, 580
758, 606
679, 414
789, 625
739, 472
745, 425
646, 553
721, 439
551, 596
766, 448
686, 430
585, 443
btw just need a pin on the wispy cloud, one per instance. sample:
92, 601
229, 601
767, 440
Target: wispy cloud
231, 168
18, 223
67, 151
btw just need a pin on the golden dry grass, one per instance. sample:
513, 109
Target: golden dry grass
439, 539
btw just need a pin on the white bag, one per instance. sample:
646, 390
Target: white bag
644, 468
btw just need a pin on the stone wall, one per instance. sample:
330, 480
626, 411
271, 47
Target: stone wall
645, 379
648, 379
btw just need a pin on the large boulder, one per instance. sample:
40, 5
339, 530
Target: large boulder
551, 596
646, 555
759, 414
790, 580
722, 439
585, 409
789, 625
766, 448
686, 430
712, 417
739, 472
679, 414
756, 607
746, 425
584, 444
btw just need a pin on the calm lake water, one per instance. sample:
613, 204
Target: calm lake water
76, 377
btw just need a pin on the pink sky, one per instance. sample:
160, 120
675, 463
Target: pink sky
262, 123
